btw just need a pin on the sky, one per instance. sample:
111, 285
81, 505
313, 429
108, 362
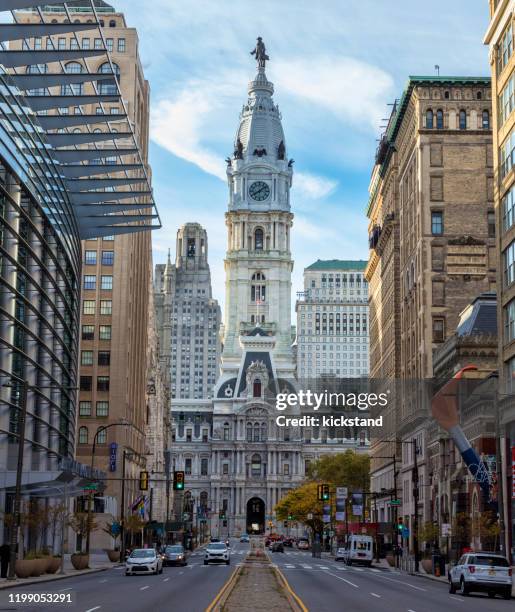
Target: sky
335, 65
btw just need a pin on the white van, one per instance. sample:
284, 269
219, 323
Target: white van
359, 549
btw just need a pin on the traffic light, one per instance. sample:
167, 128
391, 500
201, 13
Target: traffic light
325, 492
285, 523
221, 514
143, 481
400, 524
178, 481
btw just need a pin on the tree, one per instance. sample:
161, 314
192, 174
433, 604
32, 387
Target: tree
57, 515
134, 524
300, 502
108, 528
348, 469
82, 523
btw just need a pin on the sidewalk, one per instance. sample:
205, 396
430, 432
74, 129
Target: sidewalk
98, 562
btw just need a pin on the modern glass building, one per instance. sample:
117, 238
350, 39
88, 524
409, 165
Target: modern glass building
66, 175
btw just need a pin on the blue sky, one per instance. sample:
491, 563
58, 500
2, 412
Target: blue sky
335, 64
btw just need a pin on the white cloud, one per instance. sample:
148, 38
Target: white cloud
312, 186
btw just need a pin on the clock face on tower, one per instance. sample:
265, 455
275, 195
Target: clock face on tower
259, 191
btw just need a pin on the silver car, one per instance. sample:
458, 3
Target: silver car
217, 552
482, 571
174, 554
143, 561
340, 554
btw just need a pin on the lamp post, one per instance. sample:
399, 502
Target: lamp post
90, 496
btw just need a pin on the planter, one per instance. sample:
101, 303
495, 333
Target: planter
114, 555
80, 561
427, 564
38, 567
53, 565
24, 568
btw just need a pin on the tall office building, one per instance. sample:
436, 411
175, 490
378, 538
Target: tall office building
499, 38
116, 269
188, 317
332, 320
431, 238
60, 141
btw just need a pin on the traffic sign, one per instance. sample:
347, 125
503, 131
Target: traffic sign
405, 532
395, 502
92, 486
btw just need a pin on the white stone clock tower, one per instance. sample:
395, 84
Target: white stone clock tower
258, 264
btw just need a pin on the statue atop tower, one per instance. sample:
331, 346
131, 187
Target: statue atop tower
260, 53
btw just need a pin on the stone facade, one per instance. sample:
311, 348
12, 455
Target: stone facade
432, 249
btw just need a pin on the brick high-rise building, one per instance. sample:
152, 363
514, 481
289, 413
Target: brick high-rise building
117, 271
499, 38
432, 250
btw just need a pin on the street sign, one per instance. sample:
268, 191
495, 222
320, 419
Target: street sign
115, 529
310, 516
395, 502
341, 492
405, 532
92, 486
446, 530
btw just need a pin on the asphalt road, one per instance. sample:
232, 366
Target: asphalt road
177, 589
325, 585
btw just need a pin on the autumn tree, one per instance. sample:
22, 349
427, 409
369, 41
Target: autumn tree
348, 469
299, 503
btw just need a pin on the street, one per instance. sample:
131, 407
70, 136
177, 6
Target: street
323, 585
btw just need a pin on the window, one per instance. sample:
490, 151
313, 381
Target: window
85, 383
485, 120
187, 465
86, 43
101, 435
108, 238
83, 435
108, 86
102, 409
121, 45
256, 389
490, 217
106, 282
86, 358
506, 100
286, 469
102, 383
88, 332
505, 48
255, 466
463, 120
106, 307
90, 281
258, 288
61, 43
203, 466
509, 321
98, 43
84, 409
112, 23
249, 432
437, 223
438, 329
506, 154
75, 89
104, 358
105, 332
509, 264
510, 376
508, 209
188, 435
107, 258
109, 44
429, 119
227, 431
258, 239
439, 119
225, 468
88, 307
90, 258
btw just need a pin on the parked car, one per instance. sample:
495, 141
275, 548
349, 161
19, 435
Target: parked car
174, 554
217, 552
481, 571
288, 542
359, 549
340, 554
303, 544
244, 538
277, 546
144, 561
214, 539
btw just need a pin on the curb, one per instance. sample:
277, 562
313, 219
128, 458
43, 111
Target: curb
51, 578
294, 600
225, 591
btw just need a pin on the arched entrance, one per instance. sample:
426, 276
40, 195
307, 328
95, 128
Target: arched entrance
255, 515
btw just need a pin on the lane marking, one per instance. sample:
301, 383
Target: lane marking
455, 598
404, 583
373, 569
143, 588
290, 566
324, 567
102, 581
307, 567
183, 572
410, 610
286, 584
358, 569
166, 579
344, 580
376, 595
92, 609
66, 589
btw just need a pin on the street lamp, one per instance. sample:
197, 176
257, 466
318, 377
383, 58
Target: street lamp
122, 423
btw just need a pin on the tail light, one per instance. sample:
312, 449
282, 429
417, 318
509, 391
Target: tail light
472, 569
509, 572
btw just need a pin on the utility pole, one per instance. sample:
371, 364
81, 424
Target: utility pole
415, 502
122, 511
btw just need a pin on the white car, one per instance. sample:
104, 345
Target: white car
482, 571
144, 561
359, 549
340, 554
217, 552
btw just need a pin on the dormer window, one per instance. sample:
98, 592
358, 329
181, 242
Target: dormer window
256, 389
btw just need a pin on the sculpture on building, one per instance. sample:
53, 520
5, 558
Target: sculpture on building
260, 53
281, 150
238, 151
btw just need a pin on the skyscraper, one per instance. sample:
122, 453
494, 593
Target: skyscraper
188, 317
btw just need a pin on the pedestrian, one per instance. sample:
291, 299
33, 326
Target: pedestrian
5, 554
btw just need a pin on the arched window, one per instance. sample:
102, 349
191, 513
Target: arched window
249, 432
446, 95
101, 435
227, 431
258, 289
108, 87
258, 239
479, 96
83, 435
255, 465
439, 119
257, 430
429, 119
112, 23
256, 389
463, 120
486, 120
74, 89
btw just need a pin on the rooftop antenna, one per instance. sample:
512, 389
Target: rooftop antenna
437, 68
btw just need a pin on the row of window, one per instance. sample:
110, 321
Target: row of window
104, 332
89, 307
106, 282
85, 43
106, 258
103, 358
86, 408
506, 100
505, 49
86, 383
506, 154
462, 119
101, 436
